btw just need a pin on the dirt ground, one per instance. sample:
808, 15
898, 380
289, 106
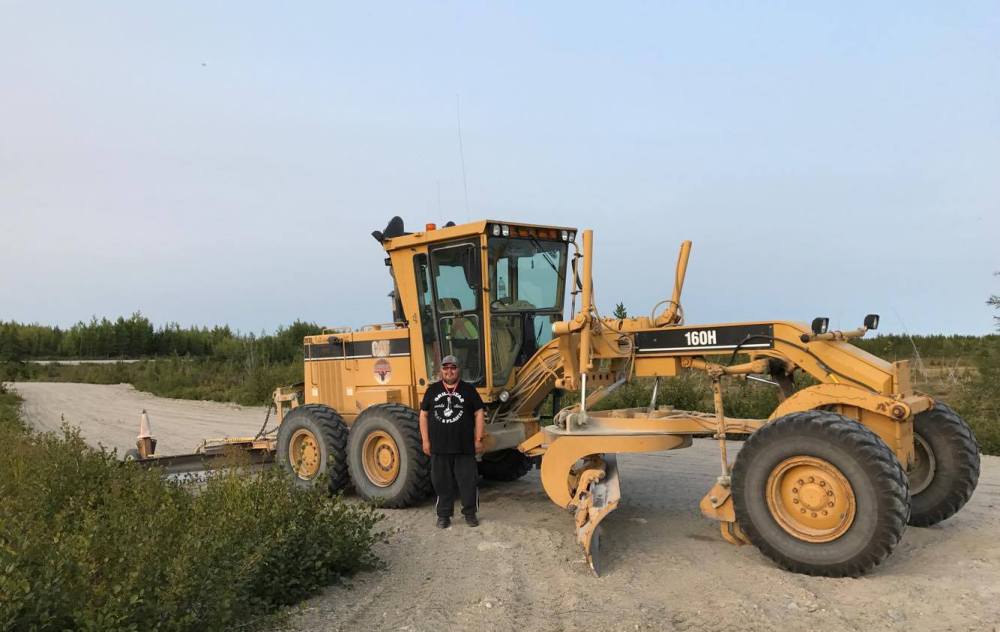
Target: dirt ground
666, 567
109, 415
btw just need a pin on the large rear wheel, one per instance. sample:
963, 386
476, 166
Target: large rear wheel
385, 456
820, 494
946, 466
312, 441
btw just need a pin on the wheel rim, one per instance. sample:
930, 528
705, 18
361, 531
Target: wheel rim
811, 499
924, 465
380, 458
304, 454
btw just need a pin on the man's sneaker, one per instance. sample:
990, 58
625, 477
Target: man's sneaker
472, 520
443, 522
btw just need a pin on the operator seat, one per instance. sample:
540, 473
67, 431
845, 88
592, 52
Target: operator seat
465, 336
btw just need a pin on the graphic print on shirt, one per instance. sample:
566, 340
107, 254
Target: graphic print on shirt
448, 407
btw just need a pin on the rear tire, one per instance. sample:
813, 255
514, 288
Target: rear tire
946, 468
504, 465
386, 458
792, 470
312, 440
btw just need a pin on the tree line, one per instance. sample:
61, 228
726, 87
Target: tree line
137, 337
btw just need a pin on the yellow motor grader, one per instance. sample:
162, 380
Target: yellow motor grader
825, 485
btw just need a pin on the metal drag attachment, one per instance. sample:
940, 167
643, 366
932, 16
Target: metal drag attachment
598, 494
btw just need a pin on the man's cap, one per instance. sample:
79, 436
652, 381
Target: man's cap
449, 359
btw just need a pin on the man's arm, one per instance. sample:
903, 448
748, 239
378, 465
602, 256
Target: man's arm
424, 434
480, 430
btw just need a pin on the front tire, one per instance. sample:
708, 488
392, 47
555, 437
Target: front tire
820, 494
312, 441
386, 458
946, 466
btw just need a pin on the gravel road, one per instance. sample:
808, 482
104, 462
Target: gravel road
109, 415
666, 567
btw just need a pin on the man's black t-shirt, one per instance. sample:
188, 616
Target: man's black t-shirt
451, 417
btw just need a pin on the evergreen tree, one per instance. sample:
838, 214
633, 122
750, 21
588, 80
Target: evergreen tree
994, 300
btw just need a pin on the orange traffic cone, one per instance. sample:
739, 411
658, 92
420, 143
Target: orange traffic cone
145, 442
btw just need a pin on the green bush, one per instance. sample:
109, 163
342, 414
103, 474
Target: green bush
91, 544
979, 399
692, 390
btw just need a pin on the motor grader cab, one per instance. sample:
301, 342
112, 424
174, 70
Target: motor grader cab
824, 485
488, 293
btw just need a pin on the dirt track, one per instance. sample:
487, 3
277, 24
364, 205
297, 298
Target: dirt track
666, 567
109, 415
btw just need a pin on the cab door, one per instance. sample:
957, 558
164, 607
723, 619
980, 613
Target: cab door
456, 281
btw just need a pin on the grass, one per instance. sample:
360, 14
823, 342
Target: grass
89, 543
178, 377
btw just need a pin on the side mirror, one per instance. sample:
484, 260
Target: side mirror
819, 325
871, 321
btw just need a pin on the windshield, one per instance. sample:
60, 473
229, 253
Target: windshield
526, 274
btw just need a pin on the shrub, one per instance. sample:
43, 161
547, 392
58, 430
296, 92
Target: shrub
979, 399
89, 543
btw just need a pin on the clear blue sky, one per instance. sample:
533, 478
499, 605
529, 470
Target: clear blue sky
225, 162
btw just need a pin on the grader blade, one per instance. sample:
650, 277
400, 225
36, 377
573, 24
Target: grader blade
600, 491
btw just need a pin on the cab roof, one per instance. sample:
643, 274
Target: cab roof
457, 231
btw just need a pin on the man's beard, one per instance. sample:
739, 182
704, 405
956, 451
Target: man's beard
450, 381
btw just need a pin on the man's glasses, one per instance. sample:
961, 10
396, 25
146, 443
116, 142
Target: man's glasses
450, 367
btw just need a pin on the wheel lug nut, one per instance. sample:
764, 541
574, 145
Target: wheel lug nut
812, 479
795, 500
822, 483
829, 504
803, 510
814, 514
801, 482
795, 490
829, 492
825, 512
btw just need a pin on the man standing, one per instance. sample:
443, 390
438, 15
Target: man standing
452, 424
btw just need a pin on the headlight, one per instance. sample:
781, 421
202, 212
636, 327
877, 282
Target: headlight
496, 230
505, 229
504, 396
565, 235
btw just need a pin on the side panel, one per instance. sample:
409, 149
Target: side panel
352, 371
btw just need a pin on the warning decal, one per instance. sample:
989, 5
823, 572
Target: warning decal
383, 371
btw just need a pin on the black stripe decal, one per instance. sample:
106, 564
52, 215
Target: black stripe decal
705, 339
354, 350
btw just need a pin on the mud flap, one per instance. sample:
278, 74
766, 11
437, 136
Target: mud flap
598, 495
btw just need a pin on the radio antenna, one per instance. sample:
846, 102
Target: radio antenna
461, 153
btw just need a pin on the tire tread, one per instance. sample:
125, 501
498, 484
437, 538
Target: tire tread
966, 448
889, 479
418, 486
334, 434
510, 467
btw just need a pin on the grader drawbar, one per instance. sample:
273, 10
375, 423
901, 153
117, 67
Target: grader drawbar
824, 485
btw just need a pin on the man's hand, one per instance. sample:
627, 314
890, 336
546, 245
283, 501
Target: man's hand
480, 431
425, 436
